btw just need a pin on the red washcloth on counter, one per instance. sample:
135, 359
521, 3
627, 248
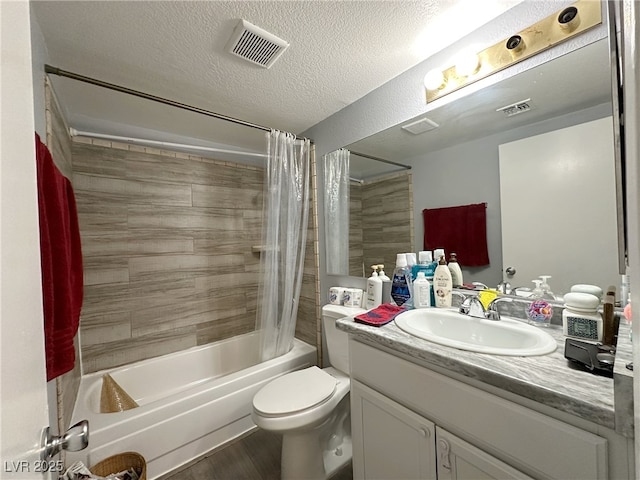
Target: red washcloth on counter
462, 230
61, 261
380, 315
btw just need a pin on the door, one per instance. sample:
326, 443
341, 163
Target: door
459, 460
389, 441
23, 395
570, 232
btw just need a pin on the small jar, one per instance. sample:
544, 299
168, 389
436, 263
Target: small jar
580, 317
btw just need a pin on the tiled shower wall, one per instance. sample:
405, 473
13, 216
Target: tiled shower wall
167, 243
384, 224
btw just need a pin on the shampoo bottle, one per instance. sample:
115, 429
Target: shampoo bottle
431, 271
454, 268
421, 292
401, 282
374, 290
442, 284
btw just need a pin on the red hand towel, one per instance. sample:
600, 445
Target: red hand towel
462, 230
380, 315
61, 260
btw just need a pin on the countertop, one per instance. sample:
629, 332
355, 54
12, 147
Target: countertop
550, 379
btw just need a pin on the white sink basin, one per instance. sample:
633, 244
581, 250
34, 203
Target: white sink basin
498, 337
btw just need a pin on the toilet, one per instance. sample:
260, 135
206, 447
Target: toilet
310, 408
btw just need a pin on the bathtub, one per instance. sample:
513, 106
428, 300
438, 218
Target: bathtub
190, 402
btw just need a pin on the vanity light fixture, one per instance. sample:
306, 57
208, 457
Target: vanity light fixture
552, 30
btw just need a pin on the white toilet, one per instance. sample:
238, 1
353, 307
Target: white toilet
310, 408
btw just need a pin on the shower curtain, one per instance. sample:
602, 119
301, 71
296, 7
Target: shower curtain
284, 235
336, 211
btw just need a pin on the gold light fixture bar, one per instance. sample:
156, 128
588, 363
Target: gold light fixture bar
553, 30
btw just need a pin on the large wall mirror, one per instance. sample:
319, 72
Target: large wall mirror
471, 156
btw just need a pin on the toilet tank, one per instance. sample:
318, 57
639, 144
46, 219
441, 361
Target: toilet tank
337, 340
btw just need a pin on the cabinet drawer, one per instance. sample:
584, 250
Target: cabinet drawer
532, 442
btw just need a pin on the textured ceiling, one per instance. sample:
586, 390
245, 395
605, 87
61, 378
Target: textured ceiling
340, 51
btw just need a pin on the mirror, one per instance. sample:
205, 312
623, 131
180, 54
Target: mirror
458, 162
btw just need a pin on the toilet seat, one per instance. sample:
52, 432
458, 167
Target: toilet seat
295, 392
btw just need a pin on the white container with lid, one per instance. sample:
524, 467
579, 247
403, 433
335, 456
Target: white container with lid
584, 288
580, 317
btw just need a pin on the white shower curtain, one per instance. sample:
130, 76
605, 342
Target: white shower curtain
284, 234
336, 211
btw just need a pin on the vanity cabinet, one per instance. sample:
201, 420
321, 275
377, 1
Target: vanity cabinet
392, 442
409, 421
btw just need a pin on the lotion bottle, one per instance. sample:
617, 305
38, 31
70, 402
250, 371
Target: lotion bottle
421, 292
374, 290
442, 284
456, 272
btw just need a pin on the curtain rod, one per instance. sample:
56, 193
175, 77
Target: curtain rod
64, 73
378, 159
74, 133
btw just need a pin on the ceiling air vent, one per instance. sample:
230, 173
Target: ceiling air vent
255, 44
516, 108
420, 126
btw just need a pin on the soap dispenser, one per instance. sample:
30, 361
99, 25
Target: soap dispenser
374, 290
547, 294
539, 311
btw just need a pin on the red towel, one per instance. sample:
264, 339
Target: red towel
61, 260
461, 230
380, 315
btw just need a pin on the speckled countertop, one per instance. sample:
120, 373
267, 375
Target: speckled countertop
549, 379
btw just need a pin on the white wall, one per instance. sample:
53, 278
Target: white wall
39, 56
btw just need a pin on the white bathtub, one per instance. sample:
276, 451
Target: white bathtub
190, 402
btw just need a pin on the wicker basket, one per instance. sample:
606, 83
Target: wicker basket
120, 462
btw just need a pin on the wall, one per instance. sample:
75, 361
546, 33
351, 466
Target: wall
356, 232
167, 245
469, 173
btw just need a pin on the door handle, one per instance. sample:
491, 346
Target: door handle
73, 440
510, 271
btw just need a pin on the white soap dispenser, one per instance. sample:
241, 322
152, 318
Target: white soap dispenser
374, 290
386, 285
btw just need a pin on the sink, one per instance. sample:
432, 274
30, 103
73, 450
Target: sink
497, 337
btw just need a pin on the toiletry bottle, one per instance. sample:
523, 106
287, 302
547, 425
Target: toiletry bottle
442, 284
411, 262
539, 311
454, 268
421, 292
374, 290
401, 282
424, 265
431, 270
547, 294
386, 285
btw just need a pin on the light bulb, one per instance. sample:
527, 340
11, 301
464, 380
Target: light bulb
467, 64
434, 80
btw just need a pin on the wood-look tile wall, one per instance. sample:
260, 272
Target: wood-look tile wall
385, 222
59, 143
166, 241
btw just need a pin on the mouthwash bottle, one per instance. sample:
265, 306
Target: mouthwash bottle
401, 281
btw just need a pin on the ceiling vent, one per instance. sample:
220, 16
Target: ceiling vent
516, 108
420, 126
255, 44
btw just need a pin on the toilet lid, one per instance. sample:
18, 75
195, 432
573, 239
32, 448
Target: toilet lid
295, 392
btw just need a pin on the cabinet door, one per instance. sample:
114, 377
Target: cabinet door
459, 460
389, 441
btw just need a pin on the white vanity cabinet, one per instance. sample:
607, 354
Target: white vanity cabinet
392, 442
410, 422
